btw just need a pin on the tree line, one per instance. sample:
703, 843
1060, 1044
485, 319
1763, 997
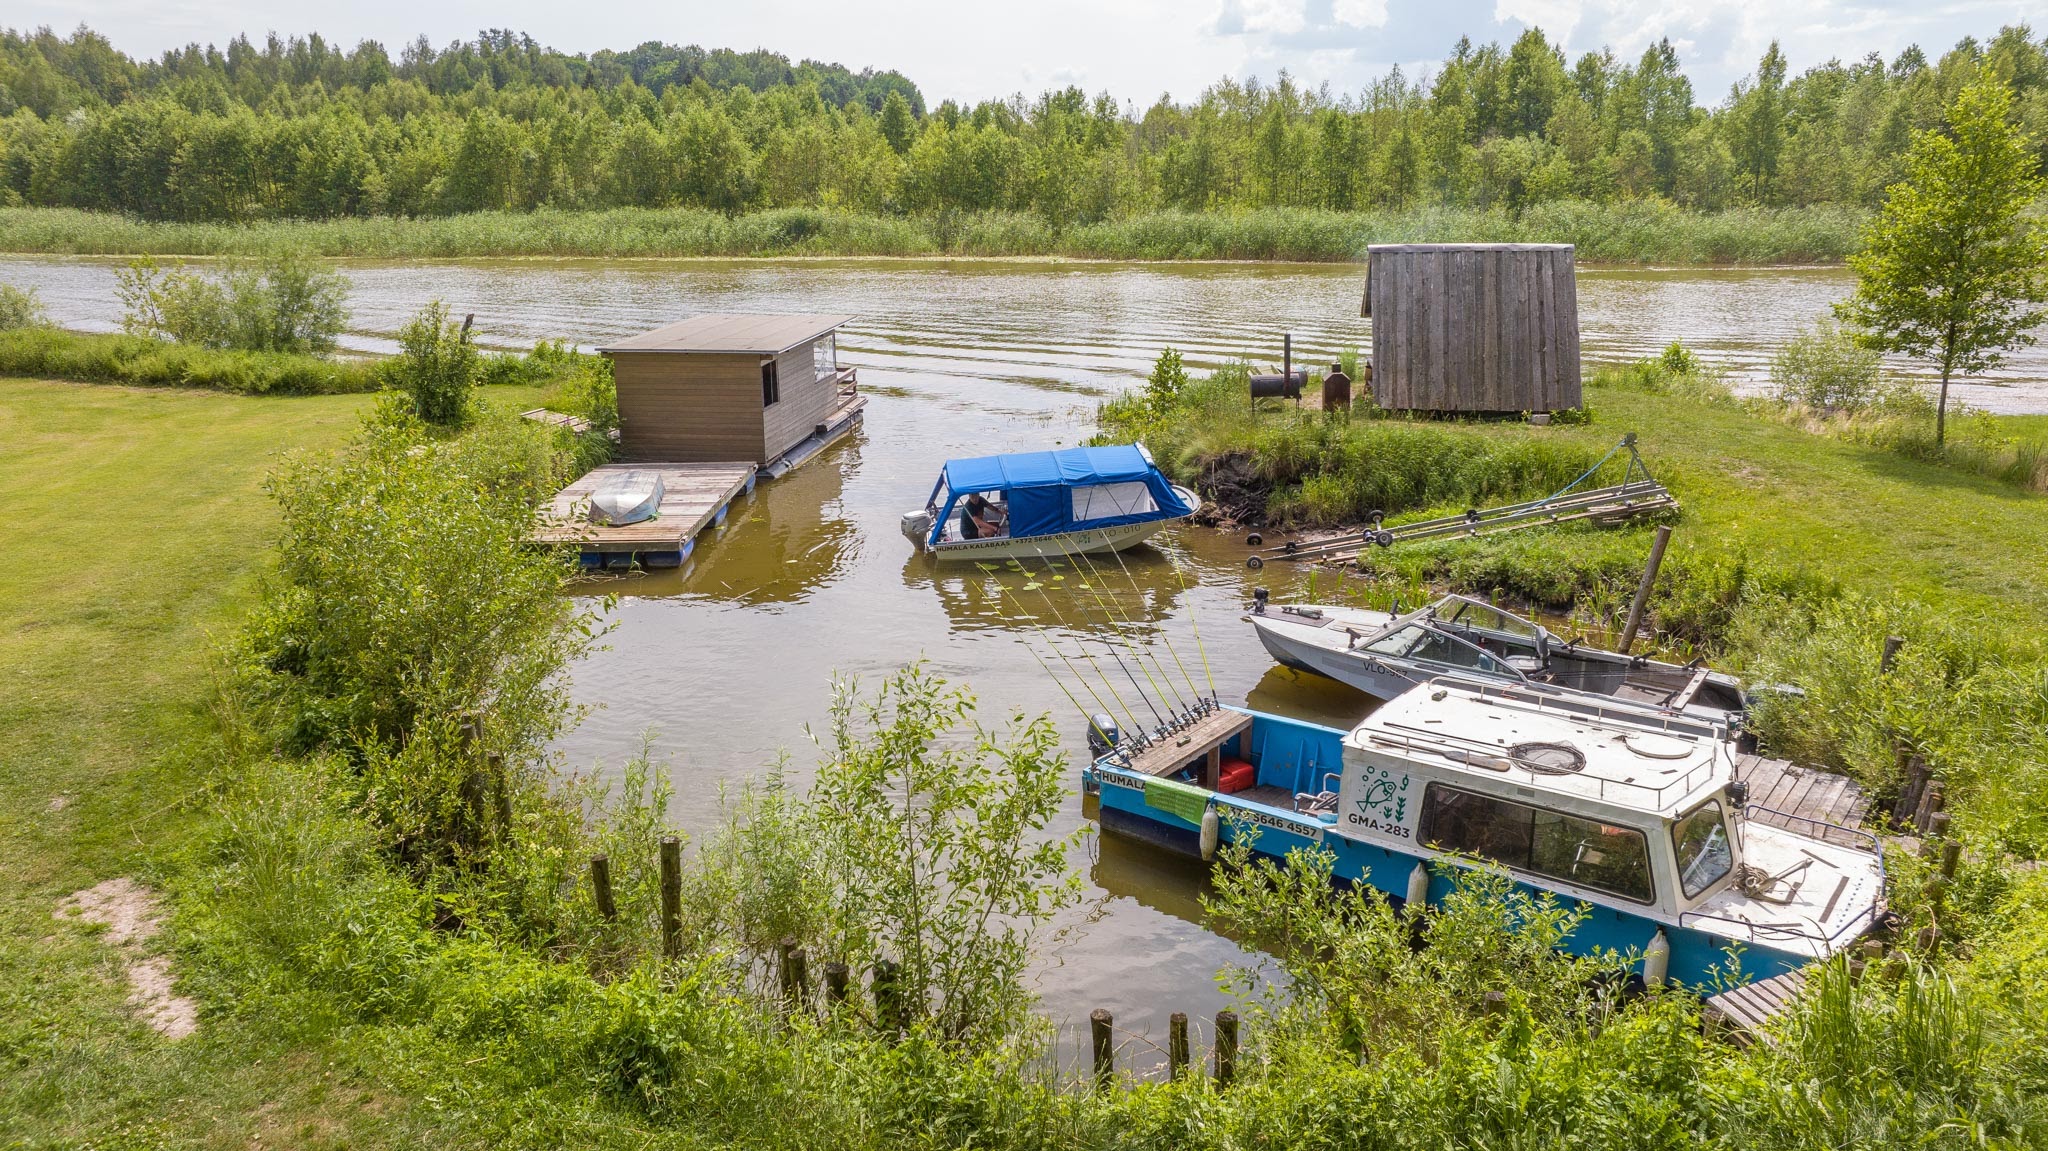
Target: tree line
300, 129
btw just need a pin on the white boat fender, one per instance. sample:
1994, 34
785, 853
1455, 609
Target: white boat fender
1418, 888
1656, 960
1212, 832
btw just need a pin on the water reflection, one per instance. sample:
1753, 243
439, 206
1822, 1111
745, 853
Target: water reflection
1095, 596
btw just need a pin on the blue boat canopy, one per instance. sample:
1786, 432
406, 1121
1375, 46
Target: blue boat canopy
1067, 490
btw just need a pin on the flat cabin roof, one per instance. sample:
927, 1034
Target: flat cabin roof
732, 334
1630, 766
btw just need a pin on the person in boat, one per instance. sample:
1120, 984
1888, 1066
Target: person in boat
980, 519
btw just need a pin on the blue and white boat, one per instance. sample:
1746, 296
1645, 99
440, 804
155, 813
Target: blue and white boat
1637, 815
1047, 504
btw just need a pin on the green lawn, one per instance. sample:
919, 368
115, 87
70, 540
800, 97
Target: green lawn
136, 526
1872, 519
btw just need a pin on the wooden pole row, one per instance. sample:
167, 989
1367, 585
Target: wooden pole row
1101, 1028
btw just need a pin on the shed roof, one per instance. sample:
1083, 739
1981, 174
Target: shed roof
730, 333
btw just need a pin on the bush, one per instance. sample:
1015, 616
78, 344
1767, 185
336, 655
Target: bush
436, 367
20, 308
1824, 367
285, 303
52, 353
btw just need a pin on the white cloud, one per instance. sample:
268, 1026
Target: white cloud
1360, 13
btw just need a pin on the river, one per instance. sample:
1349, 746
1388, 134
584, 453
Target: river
723, 666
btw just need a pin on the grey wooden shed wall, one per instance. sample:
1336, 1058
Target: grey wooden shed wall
1473, 327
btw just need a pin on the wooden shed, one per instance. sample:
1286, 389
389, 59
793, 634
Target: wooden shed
764, 389
1473, 327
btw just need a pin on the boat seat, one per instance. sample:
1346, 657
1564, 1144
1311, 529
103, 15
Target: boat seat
1528, 664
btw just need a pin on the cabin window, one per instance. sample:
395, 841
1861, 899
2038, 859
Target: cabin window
825, 355
771, 387
1102, 501
1704, 853
1579, 851
1422, 643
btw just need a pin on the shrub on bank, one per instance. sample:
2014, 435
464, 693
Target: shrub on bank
145, 361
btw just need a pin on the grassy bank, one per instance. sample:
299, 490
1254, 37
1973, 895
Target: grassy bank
1648, 231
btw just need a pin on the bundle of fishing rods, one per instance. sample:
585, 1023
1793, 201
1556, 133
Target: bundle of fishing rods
1116, 723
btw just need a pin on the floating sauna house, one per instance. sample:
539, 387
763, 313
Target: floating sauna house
764, 389
1473, 327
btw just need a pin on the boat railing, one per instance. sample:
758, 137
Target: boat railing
1822, 828
1599, 708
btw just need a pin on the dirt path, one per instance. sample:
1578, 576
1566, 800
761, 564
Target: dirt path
132, 918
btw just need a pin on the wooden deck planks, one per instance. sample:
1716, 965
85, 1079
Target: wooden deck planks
693, 495
1801, 794
1207, 733
1746, 1011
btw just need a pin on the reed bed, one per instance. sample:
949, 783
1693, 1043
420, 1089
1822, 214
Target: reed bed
1647, 231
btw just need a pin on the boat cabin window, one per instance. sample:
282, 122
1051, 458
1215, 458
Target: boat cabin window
1102, 501
771, 387
825, 355
1579, 851
1705, 854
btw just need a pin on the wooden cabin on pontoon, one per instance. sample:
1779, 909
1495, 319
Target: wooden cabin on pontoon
766, 389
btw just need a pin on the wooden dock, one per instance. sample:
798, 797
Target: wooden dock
695, 496
1806, 800
1745, 1012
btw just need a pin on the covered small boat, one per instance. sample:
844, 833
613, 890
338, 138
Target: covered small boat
1641, 820
1038, 504
1383, 655
627, 498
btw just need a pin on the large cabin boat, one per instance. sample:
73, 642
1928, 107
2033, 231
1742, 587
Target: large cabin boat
1637, 816
1046, 504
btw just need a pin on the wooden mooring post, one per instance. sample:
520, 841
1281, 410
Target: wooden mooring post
888, 991
1102, 1042
793, 967
1892, 644
671, 897
1177, 1045
1642, 600
1226, 1047
601, 887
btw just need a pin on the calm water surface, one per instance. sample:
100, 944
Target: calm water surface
724, 664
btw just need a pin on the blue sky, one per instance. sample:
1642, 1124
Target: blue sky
1136, 49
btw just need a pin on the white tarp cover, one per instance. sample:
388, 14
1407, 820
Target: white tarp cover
1104, 501
627, 498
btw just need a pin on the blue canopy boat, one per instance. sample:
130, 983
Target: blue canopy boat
1046, 504
1635, 815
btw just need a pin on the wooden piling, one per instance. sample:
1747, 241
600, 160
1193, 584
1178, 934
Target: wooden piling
1642, 600
1951, 855
1226, 1047
1177, 1045
785, 968
601, 887
1102, 1042
836, 976
671, 897
1892, 644
888, 991
1930, 803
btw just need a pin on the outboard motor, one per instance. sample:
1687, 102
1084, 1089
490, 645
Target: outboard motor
1102, 735
1259, 597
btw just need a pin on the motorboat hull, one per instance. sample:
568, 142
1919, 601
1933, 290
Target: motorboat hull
1323, 645
1087, 541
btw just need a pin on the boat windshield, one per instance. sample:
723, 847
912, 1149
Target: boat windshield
1423, 643
1704, 852
1470, 613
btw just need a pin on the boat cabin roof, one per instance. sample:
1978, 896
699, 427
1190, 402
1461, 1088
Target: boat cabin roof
1627, 762
1120, 463
733, 334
